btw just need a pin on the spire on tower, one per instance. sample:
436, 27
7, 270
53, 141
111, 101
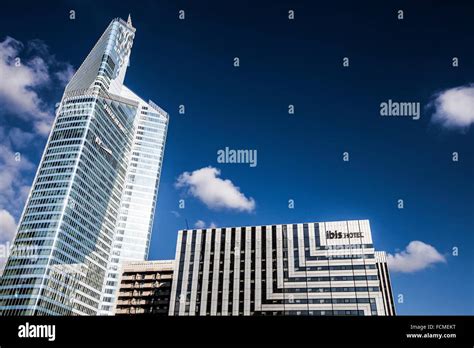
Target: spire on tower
129, 20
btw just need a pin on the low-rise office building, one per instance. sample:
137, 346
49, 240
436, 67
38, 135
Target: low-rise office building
320, 268
145, 288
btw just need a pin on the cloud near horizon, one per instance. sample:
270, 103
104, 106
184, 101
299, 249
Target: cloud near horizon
454, 107
200, 224
416, 257
216, 193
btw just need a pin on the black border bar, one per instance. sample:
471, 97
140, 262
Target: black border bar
292, 330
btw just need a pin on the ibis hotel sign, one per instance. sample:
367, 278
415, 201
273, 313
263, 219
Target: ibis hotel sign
339, 235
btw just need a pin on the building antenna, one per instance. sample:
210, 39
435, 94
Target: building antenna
187, 227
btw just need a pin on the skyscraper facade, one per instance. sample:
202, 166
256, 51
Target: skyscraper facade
385, 283
92, 201
321, 268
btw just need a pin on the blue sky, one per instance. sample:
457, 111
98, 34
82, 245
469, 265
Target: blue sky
337, 109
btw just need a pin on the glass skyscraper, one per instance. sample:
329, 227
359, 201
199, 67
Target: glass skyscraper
92, 202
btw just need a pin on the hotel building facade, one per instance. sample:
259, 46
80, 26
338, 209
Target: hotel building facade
321, 268
92, 202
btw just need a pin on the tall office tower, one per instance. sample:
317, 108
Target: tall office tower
92, 201
325, 268
145, 287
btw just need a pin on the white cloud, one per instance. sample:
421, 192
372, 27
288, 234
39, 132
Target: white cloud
22, 79
454, 107
199, 224
14, 186
416, 257
17, 138
175, 213
64, 76
7, 226
213, 191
